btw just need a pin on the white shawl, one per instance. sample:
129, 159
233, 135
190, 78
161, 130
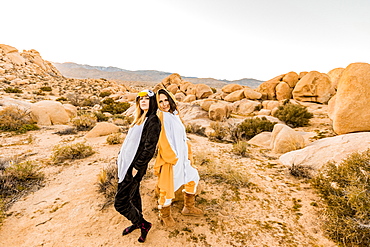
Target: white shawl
129, 150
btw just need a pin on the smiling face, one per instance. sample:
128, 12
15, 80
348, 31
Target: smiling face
144, 103
164, 104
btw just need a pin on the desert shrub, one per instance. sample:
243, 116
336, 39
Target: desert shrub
13, 90
74, 99
109, 105
195, 129
104, 94
214, 90
107, 183
345, 190
67, 131
14, 119
220, 132
101, 117
301, 171
115, 138
251, 127
71, 152
16, 179
84, 122
241, 148
46, 89
293, 115
90, 101
62, 99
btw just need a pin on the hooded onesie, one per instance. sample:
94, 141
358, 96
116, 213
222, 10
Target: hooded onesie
136, 152
173, 164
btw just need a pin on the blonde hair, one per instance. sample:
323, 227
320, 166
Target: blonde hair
139, 115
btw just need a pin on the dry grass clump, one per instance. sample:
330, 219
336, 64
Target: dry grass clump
84, 122
71, 152
293, 115
251, 127
220, 132
345, 190
107, 183
194, 128
241, 148
115, 138
14, 119
16, 178
13, 90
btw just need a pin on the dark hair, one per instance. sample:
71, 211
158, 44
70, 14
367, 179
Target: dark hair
171, 101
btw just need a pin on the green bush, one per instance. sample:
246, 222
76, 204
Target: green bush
14, 119
46, 89
101, 117
251, 127
109, 105
345, 190
71, 152
13, 90
104, 94
293, 115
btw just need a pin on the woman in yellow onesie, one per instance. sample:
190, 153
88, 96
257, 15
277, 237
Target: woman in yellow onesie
173, 164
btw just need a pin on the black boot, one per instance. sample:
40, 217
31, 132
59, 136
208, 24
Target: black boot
144, 227
129, 229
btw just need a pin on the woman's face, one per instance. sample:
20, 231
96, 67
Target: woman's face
144, 103
164, 104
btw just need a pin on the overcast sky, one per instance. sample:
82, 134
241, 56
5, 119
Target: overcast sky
222, 39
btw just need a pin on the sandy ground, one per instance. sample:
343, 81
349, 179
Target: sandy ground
274, 209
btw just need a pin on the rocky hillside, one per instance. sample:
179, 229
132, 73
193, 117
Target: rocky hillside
151, 77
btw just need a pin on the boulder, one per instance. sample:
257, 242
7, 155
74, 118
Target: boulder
71, 110
172, 79
202, 91
206, 103
231, 88
179, 96
284, 139
319, 152
219, 111
235, 96
252, 94
189, 98
335, 75
173, 88
291, 79
49, 112
244, 106
283, 91
262, 139
102, 129
314, 87
270, 104
350, 110
267, 88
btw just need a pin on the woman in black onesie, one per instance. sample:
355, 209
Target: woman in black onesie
136, 152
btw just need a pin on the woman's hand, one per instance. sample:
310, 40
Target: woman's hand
134, 172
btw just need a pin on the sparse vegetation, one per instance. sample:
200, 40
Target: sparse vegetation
104, 94
101, 117
115, 138
84, 122
194, 128
293, 115
107, 183
345, 190
109, 105
46, 89
220, 132
251, 127
80, 150
14, 119
16, 179
241, 148
13, 90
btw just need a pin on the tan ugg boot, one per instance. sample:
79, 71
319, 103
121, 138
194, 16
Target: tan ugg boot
189, 208
166, 217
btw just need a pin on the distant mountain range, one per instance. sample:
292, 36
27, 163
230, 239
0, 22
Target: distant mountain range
151, 77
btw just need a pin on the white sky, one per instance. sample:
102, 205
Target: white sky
222, 39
